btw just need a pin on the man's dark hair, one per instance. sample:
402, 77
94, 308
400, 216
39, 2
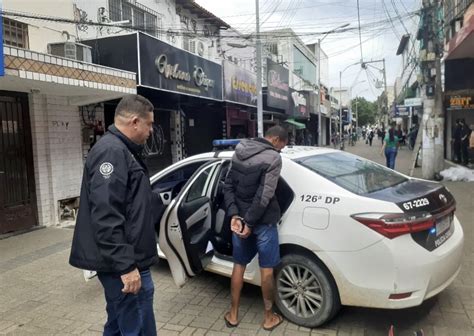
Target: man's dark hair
134, 105
277, 131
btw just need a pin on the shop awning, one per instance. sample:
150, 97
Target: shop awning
293, 122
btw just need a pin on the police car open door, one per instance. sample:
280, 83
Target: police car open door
186, 226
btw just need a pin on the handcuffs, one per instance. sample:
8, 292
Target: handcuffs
243, 222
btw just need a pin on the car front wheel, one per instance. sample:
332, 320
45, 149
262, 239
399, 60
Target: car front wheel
305, 291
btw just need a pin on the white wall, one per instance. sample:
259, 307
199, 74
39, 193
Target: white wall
41, 32
57, 153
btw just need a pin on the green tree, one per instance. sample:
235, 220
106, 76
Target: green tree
366, 111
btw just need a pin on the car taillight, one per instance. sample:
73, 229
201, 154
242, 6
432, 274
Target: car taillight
394, 225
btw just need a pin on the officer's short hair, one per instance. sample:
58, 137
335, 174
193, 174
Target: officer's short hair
134, 105
277, 131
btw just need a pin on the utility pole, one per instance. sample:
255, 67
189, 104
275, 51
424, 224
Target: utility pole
319, 95
357, 114
433, 119
384, 103
259, 74
386, 93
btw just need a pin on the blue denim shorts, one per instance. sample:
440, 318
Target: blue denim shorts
264, 241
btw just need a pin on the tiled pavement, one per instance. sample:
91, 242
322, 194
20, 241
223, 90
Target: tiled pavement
40, 294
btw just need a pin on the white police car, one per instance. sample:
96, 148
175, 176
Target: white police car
352, 232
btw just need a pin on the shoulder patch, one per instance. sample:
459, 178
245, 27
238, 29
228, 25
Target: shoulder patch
106, 169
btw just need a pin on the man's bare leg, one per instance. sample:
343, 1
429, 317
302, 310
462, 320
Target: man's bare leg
270, 318
236, 285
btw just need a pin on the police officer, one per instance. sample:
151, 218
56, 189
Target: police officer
114, 234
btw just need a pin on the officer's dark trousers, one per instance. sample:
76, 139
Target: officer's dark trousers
128, 314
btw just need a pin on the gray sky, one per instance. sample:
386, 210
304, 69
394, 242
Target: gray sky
380, 36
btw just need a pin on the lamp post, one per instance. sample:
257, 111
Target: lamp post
341, 138
350, 95
319, 81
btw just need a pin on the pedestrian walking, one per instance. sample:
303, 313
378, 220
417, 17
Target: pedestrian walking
114, 233
465, 135
457, 141
371, 137
390, 147
249, 194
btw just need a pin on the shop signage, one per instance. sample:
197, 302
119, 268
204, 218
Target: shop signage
278, 79
165, 67
240, 85
413, 102
402, 111
299, 101
461, 102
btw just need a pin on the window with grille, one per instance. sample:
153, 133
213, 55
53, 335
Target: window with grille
151, 24
15, 33
115, 10
140, 17
192, 46
186, 42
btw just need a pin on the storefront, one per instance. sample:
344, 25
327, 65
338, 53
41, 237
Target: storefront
276, 95
458, 107
185, 89
459, 82
299, 117
240, 97
51, 112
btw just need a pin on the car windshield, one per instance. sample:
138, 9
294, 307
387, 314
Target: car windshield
351, 172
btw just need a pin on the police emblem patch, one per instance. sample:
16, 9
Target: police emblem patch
106, 169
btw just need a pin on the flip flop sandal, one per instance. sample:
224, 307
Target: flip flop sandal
280, 321
229, 324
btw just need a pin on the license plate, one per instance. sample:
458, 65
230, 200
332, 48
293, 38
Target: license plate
442, 225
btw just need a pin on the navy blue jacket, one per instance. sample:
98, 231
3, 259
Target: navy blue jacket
114, 230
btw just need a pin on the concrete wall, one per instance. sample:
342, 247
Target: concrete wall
57, 153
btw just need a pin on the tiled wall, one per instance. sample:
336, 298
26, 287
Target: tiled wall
47, 68
57, 153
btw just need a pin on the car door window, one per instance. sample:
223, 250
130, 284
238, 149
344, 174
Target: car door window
201, 185
178, 177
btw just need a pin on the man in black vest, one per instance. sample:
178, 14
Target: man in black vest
114, 233
249, 195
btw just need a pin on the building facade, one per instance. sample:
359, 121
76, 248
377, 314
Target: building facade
458, 69
51, 112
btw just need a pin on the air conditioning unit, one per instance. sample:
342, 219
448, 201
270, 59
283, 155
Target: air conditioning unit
72, 50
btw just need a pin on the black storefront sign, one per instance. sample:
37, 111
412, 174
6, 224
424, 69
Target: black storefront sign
240, 85
299, 104
278, 88
166, 67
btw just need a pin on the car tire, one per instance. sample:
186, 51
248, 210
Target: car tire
301, 284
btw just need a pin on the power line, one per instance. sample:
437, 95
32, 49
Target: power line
398, 14
198, 33
387, 14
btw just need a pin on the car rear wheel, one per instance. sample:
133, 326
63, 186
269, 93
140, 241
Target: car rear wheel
305, 291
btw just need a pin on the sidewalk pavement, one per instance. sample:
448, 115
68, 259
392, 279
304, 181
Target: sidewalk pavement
40, 294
